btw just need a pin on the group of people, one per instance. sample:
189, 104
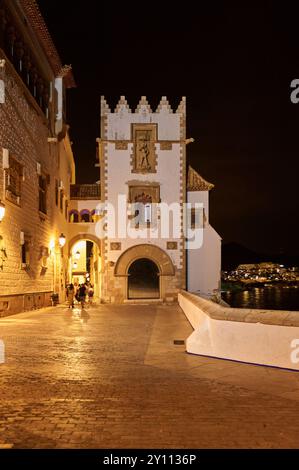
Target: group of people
79, 292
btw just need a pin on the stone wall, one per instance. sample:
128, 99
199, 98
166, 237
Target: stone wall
12, 304
115, 287
24, 133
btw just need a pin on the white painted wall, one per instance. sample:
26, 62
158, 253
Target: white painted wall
204, 264
256, 343
168, 169
119, 124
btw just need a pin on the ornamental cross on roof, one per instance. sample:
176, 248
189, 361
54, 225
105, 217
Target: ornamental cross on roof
195, 182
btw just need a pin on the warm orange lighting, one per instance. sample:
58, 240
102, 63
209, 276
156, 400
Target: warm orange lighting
62, 240
2, 211
52, 245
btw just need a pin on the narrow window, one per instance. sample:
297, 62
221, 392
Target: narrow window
42, 190
13, 180
56, 193
147, 213
66, 208
25, 251
61, 200
197, 218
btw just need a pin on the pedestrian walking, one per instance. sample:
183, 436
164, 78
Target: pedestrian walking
90, 294
82, 294
70, 293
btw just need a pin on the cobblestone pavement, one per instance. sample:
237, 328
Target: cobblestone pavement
112, 376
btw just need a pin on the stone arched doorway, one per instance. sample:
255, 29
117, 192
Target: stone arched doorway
161, 262
143, 280
84, 236
84, 261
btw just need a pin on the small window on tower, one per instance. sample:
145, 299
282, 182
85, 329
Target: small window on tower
148, 213
136, 216
142, 209
197, 218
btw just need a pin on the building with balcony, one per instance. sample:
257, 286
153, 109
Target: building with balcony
127, 234
137, 217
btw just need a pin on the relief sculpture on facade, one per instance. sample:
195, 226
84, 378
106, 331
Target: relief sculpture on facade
144, 137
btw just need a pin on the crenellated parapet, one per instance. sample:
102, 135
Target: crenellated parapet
104, 106
143, 107
122, 106
181, 109
164, 106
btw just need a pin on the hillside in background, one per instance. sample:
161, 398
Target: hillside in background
234, 254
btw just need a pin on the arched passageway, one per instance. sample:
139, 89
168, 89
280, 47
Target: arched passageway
143, 280
85, 262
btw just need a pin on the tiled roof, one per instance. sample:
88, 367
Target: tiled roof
195, 182
37, 22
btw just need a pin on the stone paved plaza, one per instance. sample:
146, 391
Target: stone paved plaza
112, 376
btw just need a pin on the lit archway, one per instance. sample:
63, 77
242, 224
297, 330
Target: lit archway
85, 262
151, 253
84, 236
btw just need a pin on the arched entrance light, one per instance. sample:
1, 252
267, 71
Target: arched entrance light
77, 254
75, 265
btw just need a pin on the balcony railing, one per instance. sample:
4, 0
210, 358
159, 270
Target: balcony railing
85, 191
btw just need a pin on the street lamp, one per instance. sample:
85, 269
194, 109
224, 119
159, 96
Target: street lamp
62, 240
2, 211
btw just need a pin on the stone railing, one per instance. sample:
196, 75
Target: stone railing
266, 337
85, 191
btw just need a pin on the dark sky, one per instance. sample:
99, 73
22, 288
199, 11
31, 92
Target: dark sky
234, 61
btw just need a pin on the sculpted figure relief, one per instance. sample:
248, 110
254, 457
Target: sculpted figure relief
144, 152
144, 148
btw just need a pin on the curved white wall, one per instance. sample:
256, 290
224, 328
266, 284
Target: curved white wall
253, 342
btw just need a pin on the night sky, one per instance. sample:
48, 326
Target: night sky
234, 62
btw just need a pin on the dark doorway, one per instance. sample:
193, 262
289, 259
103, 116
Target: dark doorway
143, 280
